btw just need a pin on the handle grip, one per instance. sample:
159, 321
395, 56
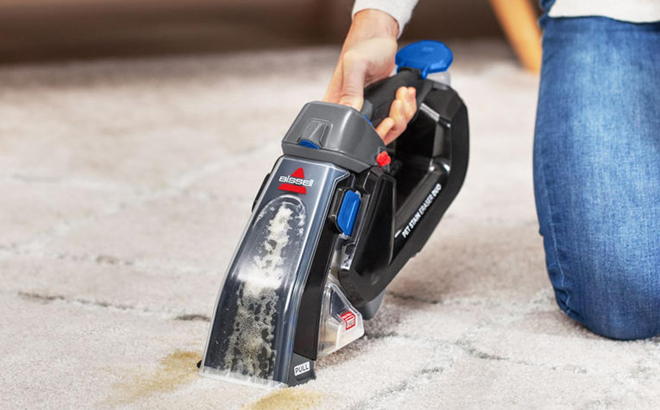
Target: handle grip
378, 97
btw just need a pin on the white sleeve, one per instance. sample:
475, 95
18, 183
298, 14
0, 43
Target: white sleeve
401, 10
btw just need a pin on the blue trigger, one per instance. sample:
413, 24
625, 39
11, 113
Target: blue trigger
427, 56
309, 144
350, 206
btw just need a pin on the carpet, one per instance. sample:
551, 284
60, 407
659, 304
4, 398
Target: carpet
125, 186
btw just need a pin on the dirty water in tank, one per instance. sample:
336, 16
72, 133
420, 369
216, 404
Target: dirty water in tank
248, 314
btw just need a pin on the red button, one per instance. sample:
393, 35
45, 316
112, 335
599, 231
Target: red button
383, 159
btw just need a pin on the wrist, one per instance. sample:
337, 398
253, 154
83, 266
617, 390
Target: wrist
372, 23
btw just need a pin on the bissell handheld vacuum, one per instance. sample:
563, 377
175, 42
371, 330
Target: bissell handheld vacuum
334, 222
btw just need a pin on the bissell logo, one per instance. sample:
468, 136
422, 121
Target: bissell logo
296, 182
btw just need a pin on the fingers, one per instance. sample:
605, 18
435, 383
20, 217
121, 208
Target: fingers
410, 107
407, 97
398, 115
402, 110
384, 128
347, 85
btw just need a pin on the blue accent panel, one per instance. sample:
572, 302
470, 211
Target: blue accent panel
368, 120
350, 206
309, 144
426, 55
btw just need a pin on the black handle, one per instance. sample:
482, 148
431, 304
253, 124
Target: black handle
378, 97
405, 204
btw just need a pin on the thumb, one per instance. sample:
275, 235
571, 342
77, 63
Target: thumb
352, 89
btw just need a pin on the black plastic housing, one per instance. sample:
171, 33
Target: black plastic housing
432, 151
429, 164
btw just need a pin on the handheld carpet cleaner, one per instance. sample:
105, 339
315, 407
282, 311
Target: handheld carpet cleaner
333, 223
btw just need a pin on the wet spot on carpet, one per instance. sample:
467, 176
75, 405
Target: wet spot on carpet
288, 398
175, 371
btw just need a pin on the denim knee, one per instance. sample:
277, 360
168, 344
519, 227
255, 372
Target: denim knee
617, 300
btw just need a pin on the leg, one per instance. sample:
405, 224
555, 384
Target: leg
597, 172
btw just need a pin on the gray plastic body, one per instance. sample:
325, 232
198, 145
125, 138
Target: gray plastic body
333, 129
252, 332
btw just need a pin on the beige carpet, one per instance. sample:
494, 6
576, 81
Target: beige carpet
124, 187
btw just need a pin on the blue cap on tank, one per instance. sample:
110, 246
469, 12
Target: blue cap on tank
426, 55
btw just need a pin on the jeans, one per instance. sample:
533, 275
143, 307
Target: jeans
597, 172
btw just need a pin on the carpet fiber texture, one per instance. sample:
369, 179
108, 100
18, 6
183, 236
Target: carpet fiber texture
124, 189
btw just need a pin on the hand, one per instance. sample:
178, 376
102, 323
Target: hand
366, 57
402, 110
